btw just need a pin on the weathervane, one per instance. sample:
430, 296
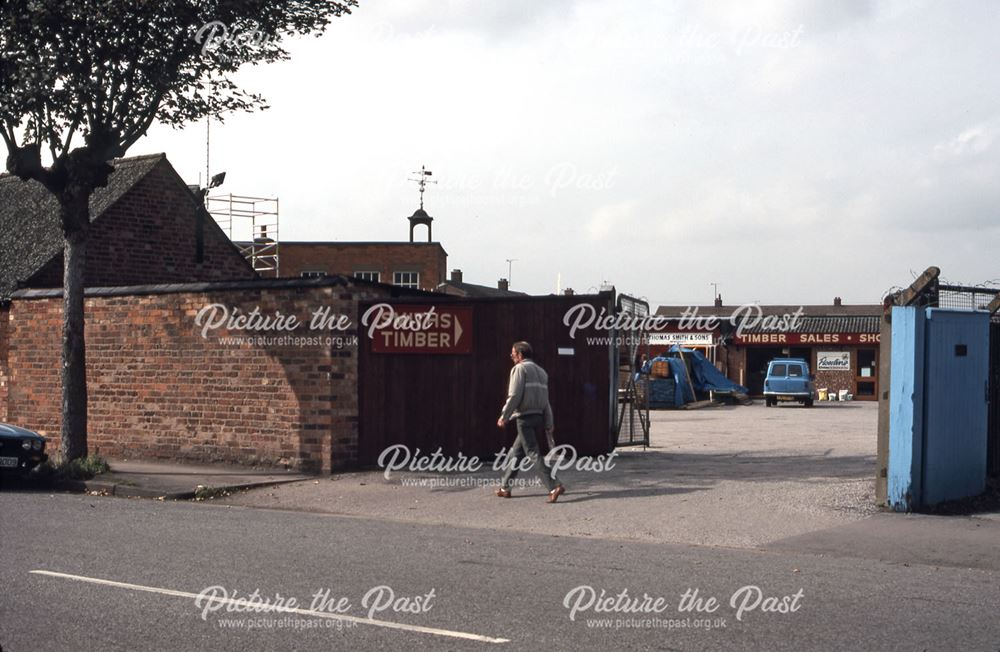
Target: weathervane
422, 181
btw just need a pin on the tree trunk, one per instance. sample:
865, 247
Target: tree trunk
76, 228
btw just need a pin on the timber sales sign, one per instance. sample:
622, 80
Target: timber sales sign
833, 361
440, 329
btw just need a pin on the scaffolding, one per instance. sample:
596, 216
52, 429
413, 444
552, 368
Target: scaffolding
252, 224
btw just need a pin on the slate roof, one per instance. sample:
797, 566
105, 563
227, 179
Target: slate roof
460, 288
828, 310
814, 319
866, 324
30, 228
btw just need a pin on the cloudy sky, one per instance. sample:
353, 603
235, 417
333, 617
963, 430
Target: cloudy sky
788, 151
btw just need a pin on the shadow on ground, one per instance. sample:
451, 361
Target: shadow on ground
652, 472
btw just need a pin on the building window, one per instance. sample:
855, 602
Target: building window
406, 279
368, 276
313, 273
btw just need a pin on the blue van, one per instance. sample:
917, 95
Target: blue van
788, 379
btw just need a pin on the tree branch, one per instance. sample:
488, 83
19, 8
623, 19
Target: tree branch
50, 134
9, 137
72, 131
144, 123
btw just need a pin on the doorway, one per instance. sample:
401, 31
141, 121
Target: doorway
866, 378
759, 357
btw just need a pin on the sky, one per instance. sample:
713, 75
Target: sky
789, 152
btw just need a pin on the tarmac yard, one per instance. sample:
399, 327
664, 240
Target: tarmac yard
739, 476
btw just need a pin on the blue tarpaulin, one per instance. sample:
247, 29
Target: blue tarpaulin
707, 377
672, 392
704, 376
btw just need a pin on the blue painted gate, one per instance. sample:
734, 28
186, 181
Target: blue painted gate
938, 406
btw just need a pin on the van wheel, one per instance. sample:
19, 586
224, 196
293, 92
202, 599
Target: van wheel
808, 402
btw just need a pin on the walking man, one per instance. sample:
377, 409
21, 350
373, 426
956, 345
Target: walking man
528, 403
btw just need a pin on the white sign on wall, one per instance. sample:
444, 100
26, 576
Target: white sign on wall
683, 339
833, 361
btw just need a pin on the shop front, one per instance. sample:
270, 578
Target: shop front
843, 362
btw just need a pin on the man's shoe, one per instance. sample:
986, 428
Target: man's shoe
555, 493
503, 493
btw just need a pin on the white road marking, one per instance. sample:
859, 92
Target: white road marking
304, 612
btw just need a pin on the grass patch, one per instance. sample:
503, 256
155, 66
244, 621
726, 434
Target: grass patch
203, 492
84, 468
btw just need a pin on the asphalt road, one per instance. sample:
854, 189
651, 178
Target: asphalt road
452, 582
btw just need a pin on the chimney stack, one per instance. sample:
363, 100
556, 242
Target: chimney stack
456, 275
836, 301
502, 284
569, 292
718, 301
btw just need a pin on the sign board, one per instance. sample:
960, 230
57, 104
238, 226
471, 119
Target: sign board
833, 361
633, 306
871, 339
682, 339
439, 329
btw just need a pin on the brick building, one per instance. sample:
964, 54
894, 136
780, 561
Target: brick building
415, 265
419, 265
147, 227
840, 342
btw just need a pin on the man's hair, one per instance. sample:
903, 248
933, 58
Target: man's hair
523, 348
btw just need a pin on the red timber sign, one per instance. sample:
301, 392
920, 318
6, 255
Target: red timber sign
409, 328
849, 339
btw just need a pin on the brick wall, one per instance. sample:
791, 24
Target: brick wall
835, 381
158, 389
429, 259
149, 236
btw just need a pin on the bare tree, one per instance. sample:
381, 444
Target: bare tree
82, 80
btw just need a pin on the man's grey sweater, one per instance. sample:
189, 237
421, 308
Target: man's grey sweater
528, 393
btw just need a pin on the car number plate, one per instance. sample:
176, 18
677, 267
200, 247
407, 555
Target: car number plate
8, 462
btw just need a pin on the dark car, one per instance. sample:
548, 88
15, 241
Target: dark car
20, 450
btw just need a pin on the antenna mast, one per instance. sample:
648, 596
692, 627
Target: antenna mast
208, 122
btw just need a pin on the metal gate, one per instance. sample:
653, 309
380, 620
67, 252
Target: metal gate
424, 399
980, 298
631, 409
993, 437
932, 293
928, 291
